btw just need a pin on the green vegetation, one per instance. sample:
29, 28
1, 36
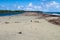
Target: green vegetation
35, 11
16, 11
7, 11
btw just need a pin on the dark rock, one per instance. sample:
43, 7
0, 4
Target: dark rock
55, 21
20, 32
31, 20
7, 22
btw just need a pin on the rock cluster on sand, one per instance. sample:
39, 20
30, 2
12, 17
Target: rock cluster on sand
55, 21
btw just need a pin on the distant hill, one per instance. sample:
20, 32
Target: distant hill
7, 11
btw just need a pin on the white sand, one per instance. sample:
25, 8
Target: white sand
30, 30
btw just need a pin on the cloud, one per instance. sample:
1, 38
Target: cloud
51, 6
30, 4
19, 7
2, 7
32, 7
44, 6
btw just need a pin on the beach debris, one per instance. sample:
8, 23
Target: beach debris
6, 22
20, 32
44, 16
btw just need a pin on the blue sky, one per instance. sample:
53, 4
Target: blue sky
31, 5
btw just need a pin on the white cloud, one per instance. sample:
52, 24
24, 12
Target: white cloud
19, 7
7, 8
33, 7
29, 9
53, 5
30, 4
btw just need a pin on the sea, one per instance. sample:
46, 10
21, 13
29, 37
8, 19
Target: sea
16, 13
10, 13
53, 13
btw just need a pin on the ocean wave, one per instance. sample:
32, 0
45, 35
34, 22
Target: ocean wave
56, 14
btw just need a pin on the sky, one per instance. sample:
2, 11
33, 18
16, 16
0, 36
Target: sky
31, 5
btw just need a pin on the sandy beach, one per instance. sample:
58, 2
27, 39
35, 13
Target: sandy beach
30, 27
